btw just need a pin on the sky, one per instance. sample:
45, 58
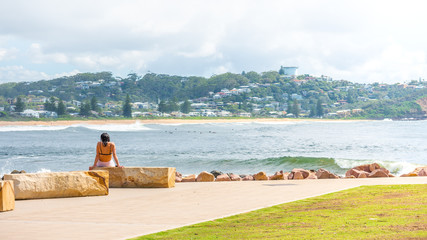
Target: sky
360, 41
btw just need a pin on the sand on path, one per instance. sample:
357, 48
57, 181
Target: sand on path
134, 212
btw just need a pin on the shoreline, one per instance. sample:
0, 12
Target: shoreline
164, 121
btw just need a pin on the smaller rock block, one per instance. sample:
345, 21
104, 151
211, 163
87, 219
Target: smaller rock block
7, 196
141, 177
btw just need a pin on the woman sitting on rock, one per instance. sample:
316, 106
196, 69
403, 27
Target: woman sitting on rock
104, 150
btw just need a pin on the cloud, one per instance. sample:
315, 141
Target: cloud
21, 74
360, 41
8, 53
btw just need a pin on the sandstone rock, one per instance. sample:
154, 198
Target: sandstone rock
325, 174
305, 173
356, 173
141, 177
298, 176
277, 176
312, 176
391, 175
422, 172
248, 178
261, 176
363, 174
178, 177
205, 177
59, 184
7, 196
216, 173
223, 178
189, 178
409, 175
368, 170
378, 173
234, 177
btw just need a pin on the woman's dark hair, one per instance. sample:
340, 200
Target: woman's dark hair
105, 138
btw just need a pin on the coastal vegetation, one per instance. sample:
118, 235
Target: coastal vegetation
349, 214
249, 94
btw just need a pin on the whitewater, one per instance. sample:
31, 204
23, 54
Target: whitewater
242, 148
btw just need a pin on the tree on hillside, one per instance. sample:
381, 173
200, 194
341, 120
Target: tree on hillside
295, 108
50, 105
319, 108
85, 109
127, 108
61, 108
312, 111
186, 107
162, 106
20, 105
94, 104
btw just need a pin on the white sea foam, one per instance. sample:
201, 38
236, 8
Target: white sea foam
44, 170
31, 128
137, 126
397, 168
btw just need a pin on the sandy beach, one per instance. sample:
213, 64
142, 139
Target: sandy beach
158, 121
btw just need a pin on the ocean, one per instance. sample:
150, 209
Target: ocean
241, 148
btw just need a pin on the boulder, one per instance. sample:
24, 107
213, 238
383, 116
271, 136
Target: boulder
178, 177
59, 184
216, 173
248, 178
312, 175
305, 173
205, 177
278, 176
422, 172
419, 171
223, 178
141, 177
368, 170
234, 177
298, 176
325, 174
378, 173
7, 196
302, 173
189, 178
356, 173
261, 176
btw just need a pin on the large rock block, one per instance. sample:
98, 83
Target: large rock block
59, 184
7, 196
141, 177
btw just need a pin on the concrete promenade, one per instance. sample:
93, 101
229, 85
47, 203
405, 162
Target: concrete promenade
128, 212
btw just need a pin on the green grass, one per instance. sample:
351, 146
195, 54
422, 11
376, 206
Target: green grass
368, 212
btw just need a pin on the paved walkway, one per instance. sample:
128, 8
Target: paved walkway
128, 213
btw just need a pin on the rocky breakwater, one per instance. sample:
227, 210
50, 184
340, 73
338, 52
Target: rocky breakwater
418, 172
140, 177
368, 171
59, 184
